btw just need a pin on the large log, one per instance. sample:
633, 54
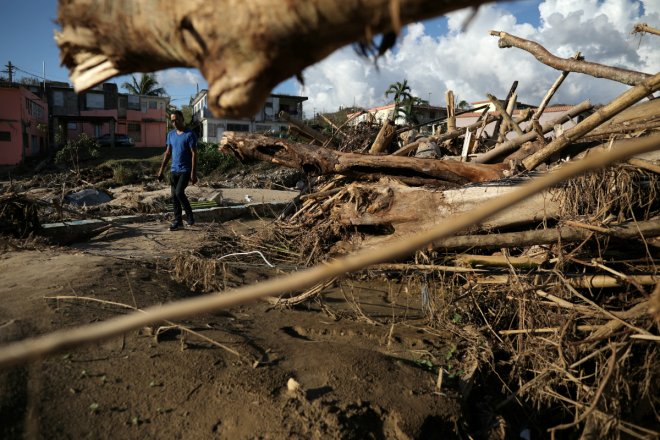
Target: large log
564, 234
243, 48
407, 210
319, 161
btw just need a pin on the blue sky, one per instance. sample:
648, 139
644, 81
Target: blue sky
433, 56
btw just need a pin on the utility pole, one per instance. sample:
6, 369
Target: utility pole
10, 71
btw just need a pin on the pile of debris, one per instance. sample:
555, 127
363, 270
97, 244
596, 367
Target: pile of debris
560, 286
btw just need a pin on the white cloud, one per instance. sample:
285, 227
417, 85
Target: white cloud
179, 82
471, 64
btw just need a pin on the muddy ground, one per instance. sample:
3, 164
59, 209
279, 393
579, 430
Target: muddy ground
380, 355
365, 360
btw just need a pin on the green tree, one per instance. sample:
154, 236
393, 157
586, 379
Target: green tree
400, 90
147, 84
404, 101
77, 150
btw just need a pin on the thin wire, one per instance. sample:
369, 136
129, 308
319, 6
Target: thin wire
247, 253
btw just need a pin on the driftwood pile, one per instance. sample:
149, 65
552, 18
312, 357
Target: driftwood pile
561, 287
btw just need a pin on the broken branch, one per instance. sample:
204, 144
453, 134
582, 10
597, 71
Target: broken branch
624, 76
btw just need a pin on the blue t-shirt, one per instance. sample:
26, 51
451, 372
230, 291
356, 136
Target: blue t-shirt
182, 146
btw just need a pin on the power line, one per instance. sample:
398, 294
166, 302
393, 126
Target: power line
41, 77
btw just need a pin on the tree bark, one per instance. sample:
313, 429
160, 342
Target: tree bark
406, 209
243, 48
319, 160
384, 138
624, 76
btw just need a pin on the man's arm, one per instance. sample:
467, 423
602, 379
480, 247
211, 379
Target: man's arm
193, 171
166, 158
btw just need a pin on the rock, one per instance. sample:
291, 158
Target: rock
88, 197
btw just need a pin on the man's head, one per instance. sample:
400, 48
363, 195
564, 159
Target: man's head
177, 119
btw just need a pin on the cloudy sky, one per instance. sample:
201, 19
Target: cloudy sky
433, 56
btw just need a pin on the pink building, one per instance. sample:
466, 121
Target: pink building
23, 124
103, 110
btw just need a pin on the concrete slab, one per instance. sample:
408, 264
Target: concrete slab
265, 203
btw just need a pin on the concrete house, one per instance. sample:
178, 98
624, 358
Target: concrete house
104, 110
210, 128
23, 124
423, 112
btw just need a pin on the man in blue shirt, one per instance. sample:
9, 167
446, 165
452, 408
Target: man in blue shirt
182, 148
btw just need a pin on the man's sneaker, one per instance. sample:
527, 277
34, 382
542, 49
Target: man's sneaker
176, 225
190, 221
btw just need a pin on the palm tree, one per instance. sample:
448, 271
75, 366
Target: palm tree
147, 85
400, 90
403, 100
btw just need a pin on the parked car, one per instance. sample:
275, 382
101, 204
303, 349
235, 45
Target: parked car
121, 140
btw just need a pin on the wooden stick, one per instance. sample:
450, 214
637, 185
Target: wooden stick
451, 109
33, 348
306, 130
565, 234
548, 96
384, 138
499, 260
625, 76
645, 28
645, 165
513, 144
503, 112
443, 137
430, 267
619, 104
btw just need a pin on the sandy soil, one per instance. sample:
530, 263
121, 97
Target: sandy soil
360, 376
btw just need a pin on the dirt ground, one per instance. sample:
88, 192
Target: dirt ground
360, 358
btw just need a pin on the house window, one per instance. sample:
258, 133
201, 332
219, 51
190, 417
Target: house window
153, 105
71, 126
238, 127
5, 136
133, 102
58, 99
95, 101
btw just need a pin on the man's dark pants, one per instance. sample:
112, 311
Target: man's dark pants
179, 182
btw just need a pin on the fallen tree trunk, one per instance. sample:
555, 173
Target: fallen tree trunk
564, 234
406, 210
323, 161
243, 58
624, 76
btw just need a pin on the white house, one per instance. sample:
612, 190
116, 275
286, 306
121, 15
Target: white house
265, 121
423, 112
